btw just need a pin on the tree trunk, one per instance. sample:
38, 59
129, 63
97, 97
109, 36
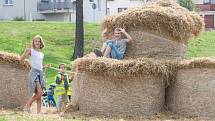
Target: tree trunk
79, 33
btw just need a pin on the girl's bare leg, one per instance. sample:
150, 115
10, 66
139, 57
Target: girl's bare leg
38, 96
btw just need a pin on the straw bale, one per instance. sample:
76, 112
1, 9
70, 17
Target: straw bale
13, 81
13, 85
165, 18
13, 59
113, 67
149, 45
192, 91
128, 95
197, 63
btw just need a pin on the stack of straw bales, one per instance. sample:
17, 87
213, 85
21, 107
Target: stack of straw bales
159, 30
136, 85
13, 81
192, 91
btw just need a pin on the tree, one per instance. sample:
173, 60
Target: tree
79, 32
189, 4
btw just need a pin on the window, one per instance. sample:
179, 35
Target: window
206, 1
8, 2
99, 5
212, 1
121, 9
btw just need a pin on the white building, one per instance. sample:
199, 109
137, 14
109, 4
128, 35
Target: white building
51, 10
116, 6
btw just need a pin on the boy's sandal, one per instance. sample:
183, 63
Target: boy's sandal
98, 53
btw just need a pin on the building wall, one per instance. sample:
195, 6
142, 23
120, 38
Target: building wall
11, 11
207, 11
199, 1
115, 4
30, 12
18, 10
94, 15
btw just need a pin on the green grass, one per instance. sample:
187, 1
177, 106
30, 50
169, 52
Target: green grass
204, 46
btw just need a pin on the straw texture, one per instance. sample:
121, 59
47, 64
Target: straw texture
129, 95
149, 45
13, 81
192, 91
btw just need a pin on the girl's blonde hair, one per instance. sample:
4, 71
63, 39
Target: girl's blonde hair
41, 41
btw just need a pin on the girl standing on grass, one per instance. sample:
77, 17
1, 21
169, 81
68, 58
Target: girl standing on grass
36, 74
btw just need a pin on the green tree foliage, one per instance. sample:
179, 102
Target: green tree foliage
189, 4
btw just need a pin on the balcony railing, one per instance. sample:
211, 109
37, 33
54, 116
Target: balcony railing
55, 6
206, 7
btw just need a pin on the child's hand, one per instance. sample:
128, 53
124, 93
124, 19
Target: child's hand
122, 30
104, 31
28, 47
49, 65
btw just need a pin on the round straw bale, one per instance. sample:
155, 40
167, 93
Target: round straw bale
13, 81
132, 96
192, 92
154, 26
111, 87
164, 18
149, 45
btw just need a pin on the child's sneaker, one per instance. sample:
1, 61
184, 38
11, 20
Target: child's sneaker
98, 53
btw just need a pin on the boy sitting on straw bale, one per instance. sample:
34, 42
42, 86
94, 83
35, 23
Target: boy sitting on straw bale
115, 47
62, 86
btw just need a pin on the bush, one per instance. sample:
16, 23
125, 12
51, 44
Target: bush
18, 19
38, 19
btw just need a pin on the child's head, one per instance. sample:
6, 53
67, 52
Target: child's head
62, 68
117, 34
37, 42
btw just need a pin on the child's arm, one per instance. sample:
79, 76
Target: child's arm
126, 34
46, 66
58, 80
26, 53
66, 85
106, 35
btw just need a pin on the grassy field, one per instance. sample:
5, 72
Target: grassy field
59, 39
